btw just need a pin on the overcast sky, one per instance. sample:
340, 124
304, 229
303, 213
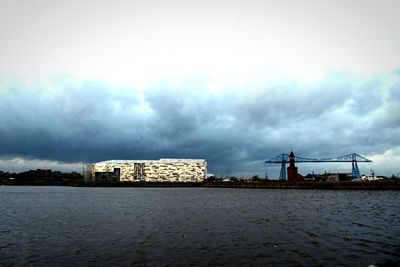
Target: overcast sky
233, 82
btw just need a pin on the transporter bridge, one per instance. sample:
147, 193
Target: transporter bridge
284, 158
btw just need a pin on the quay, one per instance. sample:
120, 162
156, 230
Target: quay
351, 185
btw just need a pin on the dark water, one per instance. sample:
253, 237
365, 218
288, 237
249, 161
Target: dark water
197, 226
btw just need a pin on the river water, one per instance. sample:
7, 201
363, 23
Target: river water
63, 226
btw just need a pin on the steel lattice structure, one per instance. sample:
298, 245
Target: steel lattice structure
353, 158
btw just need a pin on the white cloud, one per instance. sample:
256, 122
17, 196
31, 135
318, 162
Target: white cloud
387, 163
143, 41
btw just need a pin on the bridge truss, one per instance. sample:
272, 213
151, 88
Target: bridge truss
284, 158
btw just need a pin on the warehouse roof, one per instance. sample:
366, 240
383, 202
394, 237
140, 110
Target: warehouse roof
117, 161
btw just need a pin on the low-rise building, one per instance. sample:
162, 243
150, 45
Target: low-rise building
163, 170
338, 177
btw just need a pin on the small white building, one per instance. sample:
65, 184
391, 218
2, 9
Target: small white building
163, 170
338, 177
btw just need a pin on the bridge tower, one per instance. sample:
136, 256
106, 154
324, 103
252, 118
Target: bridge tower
282, 174
355, 172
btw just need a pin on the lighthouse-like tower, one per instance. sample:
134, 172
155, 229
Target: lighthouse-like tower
292, 172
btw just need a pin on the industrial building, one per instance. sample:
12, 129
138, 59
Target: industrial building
163, 170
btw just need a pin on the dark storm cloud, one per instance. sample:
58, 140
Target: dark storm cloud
71, 121
273, 105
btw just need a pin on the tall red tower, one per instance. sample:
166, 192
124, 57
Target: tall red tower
292, 172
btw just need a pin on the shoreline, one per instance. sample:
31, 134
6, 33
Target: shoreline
367, 185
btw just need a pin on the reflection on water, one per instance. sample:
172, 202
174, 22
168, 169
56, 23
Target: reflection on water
197, 226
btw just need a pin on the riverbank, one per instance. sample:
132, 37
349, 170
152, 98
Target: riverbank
364, 185
368, 185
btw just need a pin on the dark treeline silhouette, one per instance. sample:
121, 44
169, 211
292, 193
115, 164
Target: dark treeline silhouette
40, 176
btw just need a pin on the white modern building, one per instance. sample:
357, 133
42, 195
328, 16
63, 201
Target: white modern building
163, 170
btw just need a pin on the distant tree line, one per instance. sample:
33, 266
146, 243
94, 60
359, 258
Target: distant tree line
40, 176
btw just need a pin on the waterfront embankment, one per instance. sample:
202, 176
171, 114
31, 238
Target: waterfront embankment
349, 185
370, 185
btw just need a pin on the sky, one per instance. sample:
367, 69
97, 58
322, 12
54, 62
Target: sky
233, 82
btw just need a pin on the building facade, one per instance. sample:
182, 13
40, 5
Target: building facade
338, 177
163, 170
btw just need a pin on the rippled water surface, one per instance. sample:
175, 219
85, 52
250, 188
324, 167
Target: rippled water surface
197, 226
